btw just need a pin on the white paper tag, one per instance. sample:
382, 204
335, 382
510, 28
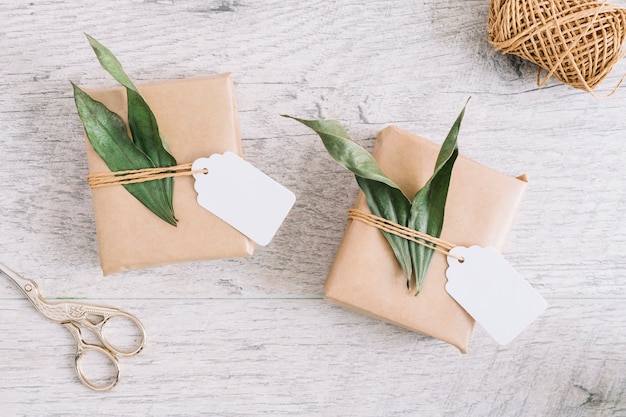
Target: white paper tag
242, 196
492, 292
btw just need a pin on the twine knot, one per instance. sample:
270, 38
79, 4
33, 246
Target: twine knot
577, 41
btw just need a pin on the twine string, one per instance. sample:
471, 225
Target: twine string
426, 240
567, 53
132, 176
576, 41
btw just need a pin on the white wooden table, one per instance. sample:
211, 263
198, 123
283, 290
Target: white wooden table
254, 336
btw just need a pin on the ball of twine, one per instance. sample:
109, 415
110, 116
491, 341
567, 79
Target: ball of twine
577, 41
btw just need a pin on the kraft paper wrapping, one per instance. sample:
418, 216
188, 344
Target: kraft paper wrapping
197, 117
365, 275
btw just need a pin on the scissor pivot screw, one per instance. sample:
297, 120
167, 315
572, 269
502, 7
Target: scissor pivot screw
28, 288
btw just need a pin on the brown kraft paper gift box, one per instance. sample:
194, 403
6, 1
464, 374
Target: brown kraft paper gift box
365, 275
197, 117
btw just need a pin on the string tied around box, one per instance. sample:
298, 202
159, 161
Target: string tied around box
386, 225
132, 176
577, 41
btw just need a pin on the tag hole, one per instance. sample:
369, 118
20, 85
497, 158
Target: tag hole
205, 171
461, 260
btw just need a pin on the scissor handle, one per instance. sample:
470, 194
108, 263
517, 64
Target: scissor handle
82, 350
98, 327
80, 354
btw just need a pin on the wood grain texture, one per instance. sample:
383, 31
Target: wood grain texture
230, 357
253, 336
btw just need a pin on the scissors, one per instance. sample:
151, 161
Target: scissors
77, 316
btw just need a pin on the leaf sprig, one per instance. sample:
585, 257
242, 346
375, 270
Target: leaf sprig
107, 134
423, 212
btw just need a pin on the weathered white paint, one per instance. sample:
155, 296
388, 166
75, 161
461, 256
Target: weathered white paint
253, 336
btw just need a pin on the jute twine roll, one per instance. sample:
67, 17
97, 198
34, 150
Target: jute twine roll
577, 41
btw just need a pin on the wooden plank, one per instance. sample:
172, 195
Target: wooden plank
232, 357
253, 336
565, 244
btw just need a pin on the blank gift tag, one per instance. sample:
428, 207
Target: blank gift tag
242, 196
492, 292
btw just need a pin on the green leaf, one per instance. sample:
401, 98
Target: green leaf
389, 203
143, 124
345, 151
145, 131
110, 63
106, 132
428, 205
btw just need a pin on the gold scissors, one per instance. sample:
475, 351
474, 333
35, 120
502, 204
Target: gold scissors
77, 316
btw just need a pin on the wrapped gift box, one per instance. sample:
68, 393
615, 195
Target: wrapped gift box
365, 275
197, 117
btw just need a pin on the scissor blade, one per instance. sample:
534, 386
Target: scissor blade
25, 285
